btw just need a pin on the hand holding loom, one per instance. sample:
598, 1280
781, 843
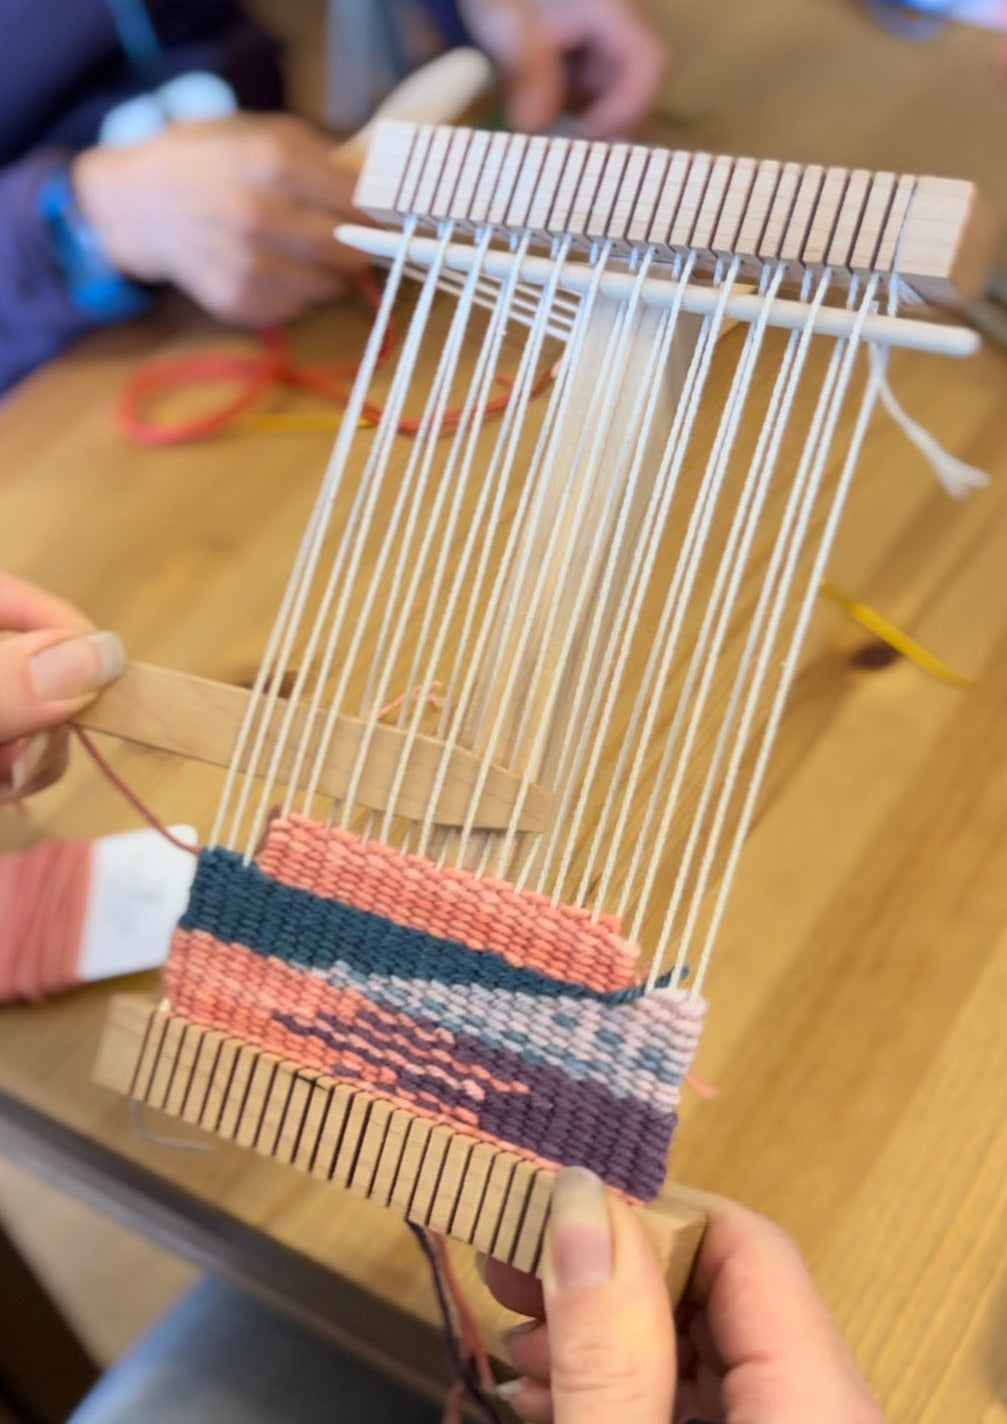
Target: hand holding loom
52, 660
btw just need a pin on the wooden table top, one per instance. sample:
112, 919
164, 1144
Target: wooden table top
860, 990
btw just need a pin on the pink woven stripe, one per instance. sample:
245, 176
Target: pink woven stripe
525, 928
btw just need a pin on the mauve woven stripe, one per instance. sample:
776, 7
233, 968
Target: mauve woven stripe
240, 904
539, 1113
568, 1123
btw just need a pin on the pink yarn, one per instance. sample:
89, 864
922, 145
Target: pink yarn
43, 904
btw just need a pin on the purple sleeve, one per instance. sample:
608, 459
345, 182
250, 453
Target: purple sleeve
37, 317
448, 21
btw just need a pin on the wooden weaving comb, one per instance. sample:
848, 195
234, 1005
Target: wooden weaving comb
549, 653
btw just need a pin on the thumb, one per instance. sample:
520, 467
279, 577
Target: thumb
611, 1334
48, 675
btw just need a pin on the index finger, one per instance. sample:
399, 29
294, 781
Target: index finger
26, 608
764, 1309
637, 70
515, 1290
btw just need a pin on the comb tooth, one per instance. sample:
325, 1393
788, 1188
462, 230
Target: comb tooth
432, 175
427, 1183
253, 1101
390, 1161
891, 237
504, 192
680, 236
840, 250
626, 198
160, 1081
385, 163
652, 185
414, 1151
330, 1138
494, 1197
309, 1132
181, 1073
556, 154
726, 241
512, 1216
271, 1110
567, 187
824, 219
406, 201
867, 238
468, 179
469, 1206
217, 1090
146, 1064
348, 1153
755, 217
526, 183
668, 197
449, 1184
363, 1169
599, 218
714, 195
799, 222
203, 1072
483, 196
528, 1245
237, 1089
443, 205
587, 189
292, 1127
770, 246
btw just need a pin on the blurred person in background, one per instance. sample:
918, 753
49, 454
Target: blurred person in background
142, 142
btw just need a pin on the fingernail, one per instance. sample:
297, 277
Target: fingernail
28, 761
77, 666
510, 1388
525, 1328
580, 1253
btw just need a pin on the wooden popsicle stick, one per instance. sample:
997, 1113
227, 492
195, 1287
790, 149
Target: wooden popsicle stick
199, 719
495, 1200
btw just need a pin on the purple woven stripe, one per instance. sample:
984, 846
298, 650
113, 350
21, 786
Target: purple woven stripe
568, 1121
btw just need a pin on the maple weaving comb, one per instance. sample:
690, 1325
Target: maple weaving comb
453, 922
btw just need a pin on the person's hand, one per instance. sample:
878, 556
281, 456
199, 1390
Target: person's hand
756, 1344
53, 661
598, 58
237, 212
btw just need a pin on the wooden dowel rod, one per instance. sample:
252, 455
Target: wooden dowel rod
913, 335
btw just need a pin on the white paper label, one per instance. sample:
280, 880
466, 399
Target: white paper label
139, 887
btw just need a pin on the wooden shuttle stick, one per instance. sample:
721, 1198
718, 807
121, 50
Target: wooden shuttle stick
196, 718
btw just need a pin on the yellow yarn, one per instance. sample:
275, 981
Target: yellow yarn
880, 627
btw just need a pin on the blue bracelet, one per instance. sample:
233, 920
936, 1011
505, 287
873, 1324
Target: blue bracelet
92, 283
